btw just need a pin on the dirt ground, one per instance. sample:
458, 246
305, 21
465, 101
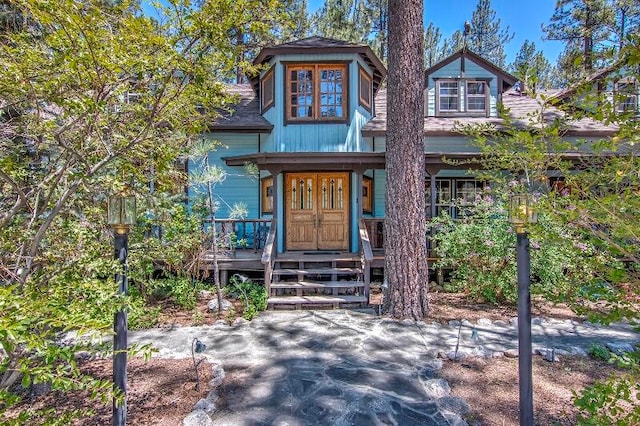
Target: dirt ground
162, 392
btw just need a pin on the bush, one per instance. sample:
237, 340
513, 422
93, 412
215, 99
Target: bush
480, 250
251, 294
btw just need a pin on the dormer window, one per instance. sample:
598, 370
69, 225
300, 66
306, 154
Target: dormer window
316, 92
627, 96
449, 96
462, 97
476, 96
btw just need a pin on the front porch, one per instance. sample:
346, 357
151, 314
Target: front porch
295, 279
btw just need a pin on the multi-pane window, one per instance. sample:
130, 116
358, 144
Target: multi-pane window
461, 96
448, 96
627, 94
316, 92
476, 96
452, 195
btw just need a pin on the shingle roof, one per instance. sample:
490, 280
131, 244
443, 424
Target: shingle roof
520, 108
246, 112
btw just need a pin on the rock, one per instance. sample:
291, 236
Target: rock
454, 323
548, 354
240, 321
460, 355
537, 321
205, 294
497, 354
467, 323
511, 353
484, 321
481, 352
218, 376
437, 388
454, 404
619, 347
454, 420
213, 304
197, 418
213, 395
514, 321
205, 405
500, 323
577, 350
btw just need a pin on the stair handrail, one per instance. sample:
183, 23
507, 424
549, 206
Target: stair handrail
367, 255
268, 255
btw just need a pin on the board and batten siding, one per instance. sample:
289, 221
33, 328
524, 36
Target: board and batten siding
452, 71
317, 136
444, 144
238, 187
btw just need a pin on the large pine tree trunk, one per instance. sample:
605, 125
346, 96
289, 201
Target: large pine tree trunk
405, 227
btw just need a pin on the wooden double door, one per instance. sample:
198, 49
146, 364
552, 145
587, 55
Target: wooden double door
317, 211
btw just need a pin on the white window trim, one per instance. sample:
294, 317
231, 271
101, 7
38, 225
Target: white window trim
463, 98
632, 95
468, 97
440, 96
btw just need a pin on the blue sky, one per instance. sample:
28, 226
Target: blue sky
524, 18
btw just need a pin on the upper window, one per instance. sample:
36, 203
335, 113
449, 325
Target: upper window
267, 90
448, 96
316, 92
627, 96
364, 91
457, 97
476, 96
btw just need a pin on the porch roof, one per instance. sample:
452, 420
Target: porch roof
298, 161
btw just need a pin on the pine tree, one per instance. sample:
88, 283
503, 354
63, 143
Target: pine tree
487, 37
432, 45
405, 226
532, 68
586, 27
342, 20
377, 17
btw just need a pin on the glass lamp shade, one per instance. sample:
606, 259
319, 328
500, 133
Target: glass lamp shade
121, 210
522, 212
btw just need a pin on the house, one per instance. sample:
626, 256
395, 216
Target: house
314, 124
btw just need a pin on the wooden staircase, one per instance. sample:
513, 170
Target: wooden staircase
318, 280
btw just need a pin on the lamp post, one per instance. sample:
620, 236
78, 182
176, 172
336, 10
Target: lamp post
121, 215
521, 214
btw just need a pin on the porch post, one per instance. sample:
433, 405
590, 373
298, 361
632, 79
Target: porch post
358, 216
433, 171
276, 203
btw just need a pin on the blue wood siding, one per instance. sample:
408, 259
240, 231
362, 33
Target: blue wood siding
317, 137
238, 186
452, 71
446, 144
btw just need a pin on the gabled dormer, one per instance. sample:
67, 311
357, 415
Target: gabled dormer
615, 87
321, 82
465, 85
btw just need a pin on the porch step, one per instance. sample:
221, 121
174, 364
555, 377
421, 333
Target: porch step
317, 284
318, 271
315, 300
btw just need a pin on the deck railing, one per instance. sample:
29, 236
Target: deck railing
375, 229
238, 234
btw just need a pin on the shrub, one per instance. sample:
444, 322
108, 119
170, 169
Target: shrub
480, 250
251, 294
